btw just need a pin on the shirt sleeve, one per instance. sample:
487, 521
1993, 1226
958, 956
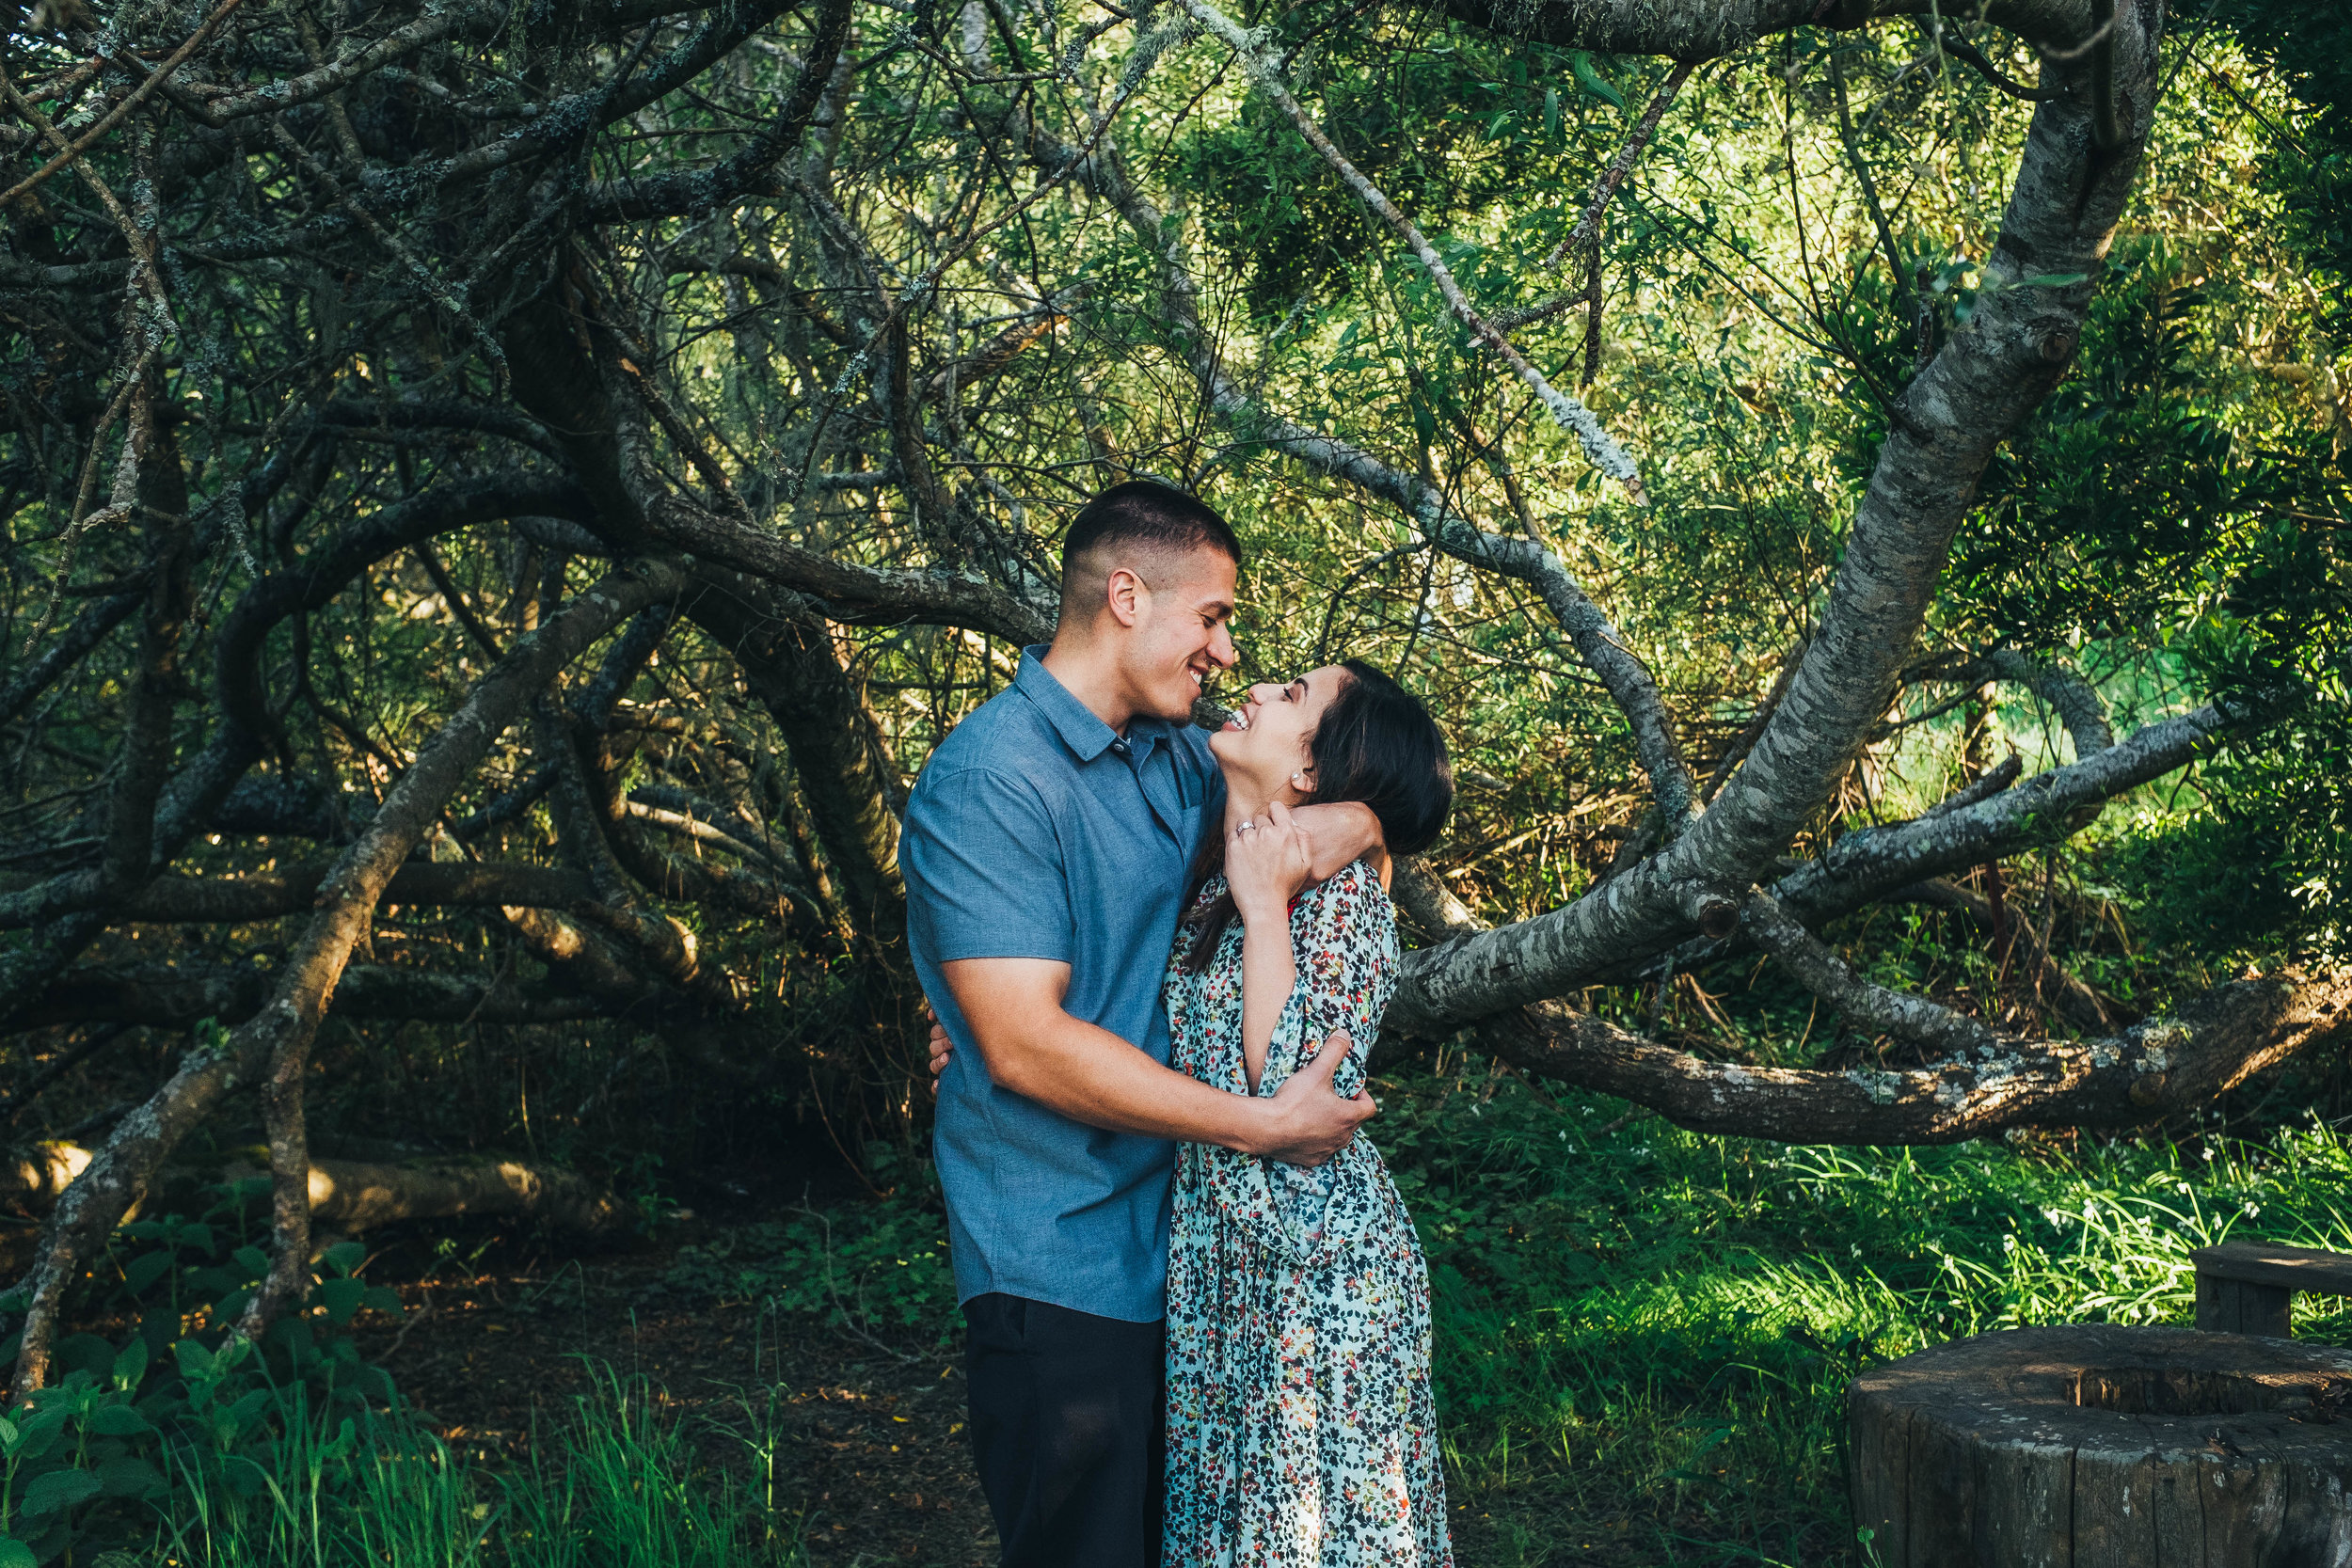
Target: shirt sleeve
984, 870
1344, 937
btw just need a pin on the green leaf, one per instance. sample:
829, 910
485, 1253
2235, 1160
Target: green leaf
119, 1420
1581, 62
252, 1259
383, 1298
196, 1362
15, 1554
345, 1256
131, 1364
145, 1270
127, 1476
342, 1298
58, 1489
244, 1477
196, 1235
2052, 279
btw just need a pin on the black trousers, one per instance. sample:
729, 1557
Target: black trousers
1070, 1429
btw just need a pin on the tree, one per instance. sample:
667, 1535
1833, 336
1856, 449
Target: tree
376, 365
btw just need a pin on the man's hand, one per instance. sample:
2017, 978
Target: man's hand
942, 1048
1338, 833
1031, 1047
1310, 1121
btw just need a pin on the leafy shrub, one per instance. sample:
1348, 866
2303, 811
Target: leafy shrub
872, 1268
182, 1408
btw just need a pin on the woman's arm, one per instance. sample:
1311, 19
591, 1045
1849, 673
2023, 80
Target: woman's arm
1262, 865
1269, 969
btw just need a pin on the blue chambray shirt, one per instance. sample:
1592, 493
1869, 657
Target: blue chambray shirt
1036, 831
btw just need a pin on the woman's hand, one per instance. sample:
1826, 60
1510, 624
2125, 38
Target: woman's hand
1267, 863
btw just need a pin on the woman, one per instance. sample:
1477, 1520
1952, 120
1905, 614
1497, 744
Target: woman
1300, 1429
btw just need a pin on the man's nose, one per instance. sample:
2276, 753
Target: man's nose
1221, 651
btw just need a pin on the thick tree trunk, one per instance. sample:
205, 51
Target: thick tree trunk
2157, 1067
1989, 374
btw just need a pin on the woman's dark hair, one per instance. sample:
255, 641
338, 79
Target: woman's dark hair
1375, 744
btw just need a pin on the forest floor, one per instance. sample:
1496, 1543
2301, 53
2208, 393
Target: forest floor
878, 1468
876, 1465
1641, 1335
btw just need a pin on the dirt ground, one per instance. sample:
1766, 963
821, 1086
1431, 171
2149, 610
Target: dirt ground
876, 1464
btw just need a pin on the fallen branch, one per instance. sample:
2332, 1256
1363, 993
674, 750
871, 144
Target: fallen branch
361, 1194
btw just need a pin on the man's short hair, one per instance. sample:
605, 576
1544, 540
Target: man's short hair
1138, 516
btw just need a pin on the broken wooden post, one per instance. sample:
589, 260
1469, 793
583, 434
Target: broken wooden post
2247, 1286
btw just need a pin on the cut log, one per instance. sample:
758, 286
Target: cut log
2093, 1446
360, 1195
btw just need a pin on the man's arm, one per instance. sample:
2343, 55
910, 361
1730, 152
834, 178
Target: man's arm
1035, 1049
1338, 835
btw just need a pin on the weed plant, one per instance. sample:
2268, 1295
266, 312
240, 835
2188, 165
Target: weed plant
617, 1483
187, 1446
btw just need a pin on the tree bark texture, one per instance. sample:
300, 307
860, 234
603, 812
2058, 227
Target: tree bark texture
362, 1194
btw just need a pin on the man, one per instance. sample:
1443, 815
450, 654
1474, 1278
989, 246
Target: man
1046, 849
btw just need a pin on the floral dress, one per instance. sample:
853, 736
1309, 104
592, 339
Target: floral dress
1300, 1429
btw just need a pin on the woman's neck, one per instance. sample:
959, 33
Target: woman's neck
1246, 802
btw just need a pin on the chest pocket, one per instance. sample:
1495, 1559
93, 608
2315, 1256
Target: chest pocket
1191, 790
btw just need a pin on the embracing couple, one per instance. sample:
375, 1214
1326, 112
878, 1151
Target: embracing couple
1199, 1315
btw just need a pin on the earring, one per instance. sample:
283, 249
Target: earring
1298, 783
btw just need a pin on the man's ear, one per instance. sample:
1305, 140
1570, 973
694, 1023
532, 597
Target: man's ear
1128, 595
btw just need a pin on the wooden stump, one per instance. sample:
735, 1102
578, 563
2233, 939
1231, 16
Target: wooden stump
2091, 1445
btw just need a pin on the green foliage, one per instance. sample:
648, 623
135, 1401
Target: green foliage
2268, 865
183, 1408
225, 1453
1643, 1335
1447, 123
871, 1268
614, 1483
618, 1484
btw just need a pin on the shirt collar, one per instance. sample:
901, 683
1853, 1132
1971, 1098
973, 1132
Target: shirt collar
1079, 727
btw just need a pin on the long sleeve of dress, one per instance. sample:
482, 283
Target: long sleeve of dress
1343, 938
